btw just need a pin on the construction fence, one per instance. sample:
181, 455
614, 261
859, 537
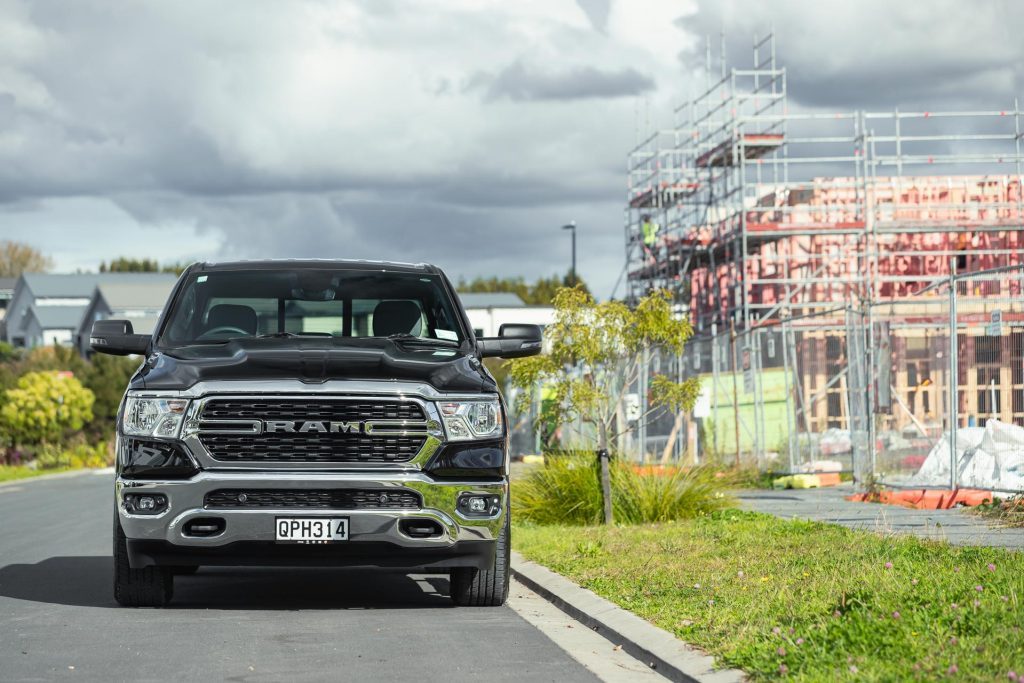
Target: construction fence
874, 390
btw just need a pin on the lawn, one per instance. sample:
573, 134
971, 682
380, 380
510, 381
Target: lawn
12, 472
807, 600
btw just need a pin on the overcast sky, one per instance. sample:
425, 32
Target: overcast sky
462, 133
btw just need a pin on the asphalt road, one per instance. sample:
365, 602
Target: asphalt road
58, 618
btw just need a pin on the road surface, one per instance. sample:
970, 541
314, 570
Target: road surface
58, 619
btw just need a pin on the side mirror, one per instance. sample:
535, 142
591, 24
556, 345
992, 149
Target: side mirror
513, 341
117, 338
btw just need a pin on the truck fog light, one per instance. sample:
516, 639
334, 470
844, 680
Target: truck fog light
145, 504
475, 505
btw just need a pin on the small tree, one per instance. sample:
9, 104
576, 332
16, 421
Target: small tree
596, 354
43, 407
17, 258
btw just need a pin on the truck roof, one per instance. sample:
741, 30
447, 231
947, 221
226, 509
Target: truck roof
347, 264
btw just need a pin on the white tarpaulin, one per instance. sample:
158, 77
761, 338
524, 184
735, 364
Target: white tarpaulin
987, 458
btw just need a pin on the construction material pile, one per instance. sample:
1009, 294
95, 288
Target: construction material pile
991, 457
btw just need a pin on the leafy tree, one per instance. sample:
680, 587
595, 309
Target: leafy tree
107, 378
17, 258
123, 264
54, 358
540, 293
44, 406
596, 354
8, 352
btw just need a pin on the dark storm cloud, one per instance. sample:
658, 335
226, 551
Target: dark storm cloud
875, 54
465, 241
520, 82
368, 130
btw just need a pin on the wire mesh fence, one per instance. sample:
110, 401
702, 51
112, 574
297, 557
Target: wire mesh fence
920, 393
964, 389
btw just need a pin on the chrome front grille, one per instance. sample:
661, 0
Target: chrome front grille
279, 430
320, 499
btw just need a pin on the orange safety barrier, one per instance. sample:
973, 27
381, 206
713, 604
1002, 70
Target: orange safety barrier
828, 478
927, 499
656, 470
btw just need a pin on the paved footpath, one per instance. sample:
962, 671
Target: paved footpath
956, 526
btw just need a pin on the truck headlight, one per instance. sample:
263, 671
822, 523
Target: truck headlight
468, 420
159, 417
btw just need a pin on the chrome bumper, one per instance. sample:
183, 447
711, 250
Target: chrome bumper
186, 499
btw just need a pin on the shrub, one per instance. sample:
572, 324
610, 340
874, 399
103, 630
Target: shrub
43, 407
107, 377
78, 455
567, 491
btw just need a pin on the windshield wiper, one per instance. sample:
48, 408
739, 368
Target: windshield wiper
406, 338
288, 335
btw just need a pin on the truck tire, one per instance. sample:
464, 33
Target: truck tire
472, 587
146, 587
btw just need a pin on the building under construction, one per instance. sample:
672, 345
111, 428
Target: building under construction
807, 249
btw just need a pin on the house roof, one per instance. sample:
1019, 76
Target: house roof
58, 317
490, 300
145, 324
7, 283
82, 284
145, 295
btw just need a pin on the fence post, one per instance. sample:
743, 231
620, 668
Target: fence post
954, 394
735, 388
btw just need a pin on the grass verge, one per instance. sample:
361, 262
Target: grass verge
1006, 512
13, 472
804, 600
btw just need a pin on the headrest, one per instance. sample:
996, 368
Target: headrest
232, 315
395, 317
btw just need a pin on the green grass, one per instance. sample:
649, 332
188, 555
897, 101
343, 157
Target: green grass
13, 472
814, 601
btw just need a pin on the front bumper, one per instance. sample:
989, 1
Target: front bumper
375, 536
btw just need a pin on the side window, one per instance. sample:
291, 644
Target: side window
184, 322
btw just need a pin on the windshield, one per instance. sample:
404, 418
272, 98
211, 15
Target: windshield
220, 306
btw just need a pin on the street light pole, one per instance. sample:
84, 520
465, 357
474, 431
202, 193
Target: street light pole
572, 227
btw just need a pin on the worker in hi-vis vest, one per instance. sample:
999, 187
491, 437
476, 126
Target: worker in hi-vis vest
649, 231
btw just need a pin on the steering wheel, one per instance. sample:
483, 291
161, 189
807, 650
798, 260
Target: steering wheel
221, 329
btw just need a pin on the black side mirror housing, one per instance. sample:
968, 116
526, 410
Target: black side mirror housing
118, 338
514, 340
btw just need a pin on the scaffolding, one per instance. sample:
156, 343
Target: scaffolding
790, 238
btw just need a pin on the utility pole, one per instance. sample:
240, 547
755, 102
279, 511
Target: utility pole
735, 388
571, 226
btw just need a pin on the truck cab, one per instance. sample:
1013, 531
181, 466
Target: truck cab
312, 413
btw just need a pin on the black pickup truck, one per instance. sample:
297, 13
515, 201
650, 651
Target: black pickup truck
312, 413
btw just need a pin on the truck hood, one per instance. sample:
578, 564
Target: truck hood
314, 360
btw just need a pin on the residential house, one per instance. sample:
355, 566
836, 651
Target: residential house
488, 311
6, 292
141, 303
47, 308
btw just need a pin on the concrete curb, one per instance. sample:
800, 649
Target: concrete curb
58, 475
665, 653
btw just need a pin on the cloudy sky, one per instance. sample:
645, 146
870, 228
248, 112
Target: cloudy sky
454, 131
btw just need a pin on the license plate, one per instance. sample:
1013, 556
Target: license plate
310, 529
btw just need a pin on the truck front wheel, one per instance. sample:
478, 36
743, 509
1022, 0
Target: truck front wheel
485, 587
146, 587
